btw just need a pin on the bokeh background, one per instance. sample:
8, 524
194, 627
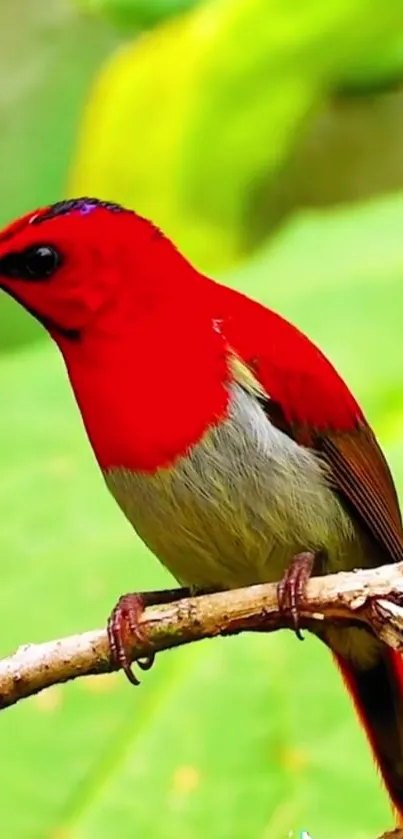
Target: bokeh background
266, 137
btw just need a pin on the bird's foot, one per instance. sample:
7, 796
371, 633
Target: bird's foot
291, 589
125, 628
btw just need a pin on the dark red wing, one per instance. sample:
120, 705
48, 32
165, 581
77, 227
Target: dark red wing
362, 476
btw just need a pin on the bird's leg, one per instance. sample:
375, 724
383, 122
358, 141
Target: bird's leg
291, 589
124, 625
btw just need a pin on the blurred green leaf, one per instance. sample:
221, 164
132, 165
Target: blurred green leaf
192, 119
234, 739
133, 14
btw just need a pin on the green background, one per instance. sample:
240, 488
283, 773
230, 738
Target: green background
275, 160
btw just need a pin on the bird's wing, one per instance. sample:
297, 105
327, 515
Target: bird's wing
307, 400
361, 475
358, 472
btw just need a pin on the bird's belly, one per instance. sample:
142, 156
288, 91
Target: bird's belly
237, 508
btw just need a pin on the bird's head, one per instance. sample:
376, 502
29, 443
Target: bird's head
133, 321
68, 262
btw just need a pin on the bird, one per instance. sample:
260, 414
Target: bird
229, 441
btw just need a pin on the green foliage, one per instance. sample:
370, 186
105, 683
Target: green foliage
235, 82
235, 739
132, 14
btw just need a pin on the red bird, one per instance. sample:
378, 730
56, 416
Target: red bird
229, 441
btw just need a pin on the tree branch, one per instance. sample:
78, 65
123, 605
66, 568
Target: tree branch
370, 597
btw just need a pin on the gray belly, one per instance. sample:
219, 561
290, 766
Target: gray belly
237, 508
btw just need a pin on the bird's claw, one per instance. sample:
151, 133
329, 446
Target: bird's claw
125, 627
291, 589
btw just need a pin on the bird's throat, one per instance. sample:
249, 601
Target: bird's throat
146, 398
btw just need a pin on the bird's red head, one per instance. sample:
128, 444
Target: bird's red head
132, 318
65, 262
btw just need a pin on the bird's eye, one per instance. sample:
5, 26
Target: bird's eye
35, 263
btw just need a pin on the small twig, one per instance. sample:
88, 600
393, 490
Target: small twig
372, 597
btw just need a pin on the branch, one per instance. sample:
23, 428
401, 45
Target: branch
393, 834
370, 597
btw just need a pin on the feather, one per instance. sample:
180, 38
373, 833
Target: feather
361, 475
377, 694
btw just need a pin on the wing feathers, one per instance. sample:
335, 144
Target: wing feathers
362, 476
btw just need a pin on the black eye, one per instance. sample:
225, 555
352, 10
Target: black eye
40, 262
36, 263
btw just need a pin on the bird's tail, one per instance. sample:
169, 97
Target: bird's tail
378, 697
